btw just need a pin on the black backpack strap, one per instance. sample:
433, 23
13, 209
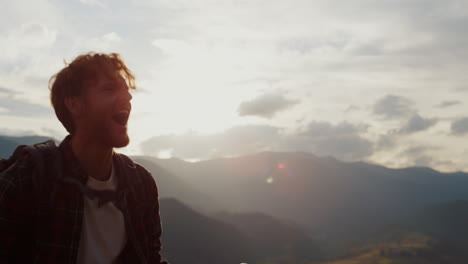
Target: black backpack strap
39, 165
44, 158
49, 166
18, 154
48, 151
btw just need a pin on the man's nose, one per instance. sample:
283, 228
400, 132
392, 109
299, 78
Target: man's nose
127, 96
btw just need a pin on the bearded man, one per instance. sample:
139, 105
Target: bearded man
81, 202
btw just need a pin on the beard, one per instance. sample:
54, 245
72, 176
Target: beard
106, 131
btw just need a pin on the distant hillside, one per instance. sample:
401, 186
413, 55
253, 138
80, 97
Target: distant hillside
170, 185
8, 144
190, 237
436, 234
343, 202
278, 240
413, 249
447, 223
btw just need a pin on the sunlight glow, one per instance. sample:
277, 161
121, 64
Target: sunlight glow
165, 154
198, 87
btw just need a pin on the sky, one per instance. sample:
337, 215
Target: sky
377, 81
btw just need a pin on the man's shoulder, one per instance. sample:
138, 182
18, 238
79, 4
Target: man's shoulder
134, 166
16, 171
29, 164
139, 177
146, 174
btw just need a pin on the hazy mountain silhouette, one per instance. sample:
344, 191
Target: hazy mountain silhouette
8, 144
279, 240
170, 185
447, 223
436, 234
190, 237
344, 202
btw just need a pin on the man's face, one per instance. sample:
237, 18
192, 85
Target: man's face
106, 108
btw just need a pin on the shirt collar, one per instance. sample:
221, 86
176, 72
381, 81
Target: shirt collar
124, 168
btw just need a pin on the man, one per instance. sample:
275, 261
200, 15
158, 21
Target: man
92, 205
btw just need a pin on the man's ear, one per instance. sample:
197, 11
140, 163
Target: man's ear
74, 105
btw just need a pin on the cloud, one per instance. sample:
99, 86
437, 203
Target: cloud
237, 140
415, 150
92, 3
462, 88
6, 91
417, 123
106, 42
445, 104
460, 126
16, 132
347, 148
18, 107
27, 38
111, 37
418, 155
423, 161
36, 35
26, 54
331, 54
341, 141
321, 129
386, 141
172, 46
392, 106
352, 108
266, 105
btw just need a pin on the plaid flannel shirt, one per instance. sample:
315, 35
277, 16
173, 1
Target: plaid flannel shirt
43, 225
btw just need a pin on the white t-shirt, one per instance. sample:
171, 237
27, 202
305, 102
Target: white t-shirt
103, 234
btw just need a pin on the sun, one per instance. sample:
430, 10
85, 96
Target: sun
195, 89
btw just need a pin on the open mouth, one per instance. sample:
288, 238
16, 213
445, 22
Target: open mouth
121, 118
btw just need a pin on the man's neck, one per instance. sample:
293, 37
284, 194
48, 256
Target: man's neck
94, 157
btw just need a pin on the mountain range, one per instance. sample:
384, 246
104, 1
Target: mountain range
273, 207
337, 201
